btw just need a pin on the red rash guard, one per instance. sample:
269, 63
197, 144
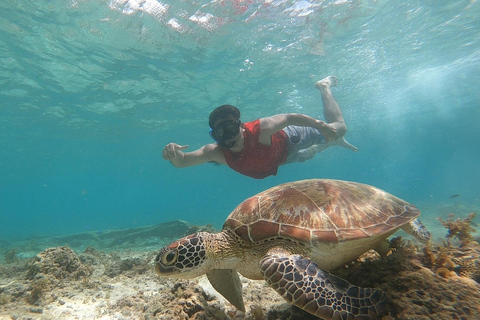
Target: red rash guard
257, 160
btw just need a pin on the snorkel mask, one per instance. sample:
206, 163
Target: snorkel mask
224, 131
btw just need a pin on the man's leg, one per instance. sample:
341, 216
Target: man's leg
305, 142
331, 109
333, 114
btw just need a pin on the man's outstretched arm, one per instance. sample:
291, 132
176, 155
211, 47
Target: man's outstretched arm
208, 153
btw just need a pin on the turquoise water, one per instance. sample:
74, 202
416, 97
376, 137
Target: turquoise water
91, 91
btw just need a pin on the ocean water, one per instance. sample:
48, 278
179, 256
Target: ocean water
92, 90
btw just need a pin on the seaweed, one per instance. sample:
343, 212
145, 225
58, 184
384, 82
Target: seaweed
11, 256
39, 287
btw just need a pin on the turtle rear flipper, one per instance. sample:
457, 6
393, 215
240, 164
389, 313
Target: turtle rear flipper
302, 283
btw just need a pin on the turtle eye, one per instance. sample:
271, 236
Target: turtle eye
169, 257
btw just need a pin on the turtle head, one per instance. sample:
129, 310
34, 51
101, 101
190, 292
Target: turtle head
184, 258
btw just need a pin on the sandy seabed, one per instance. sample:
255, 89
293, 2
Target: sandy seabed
111, 279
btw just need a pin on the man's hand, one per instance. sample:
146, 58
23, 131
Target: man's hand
173, 150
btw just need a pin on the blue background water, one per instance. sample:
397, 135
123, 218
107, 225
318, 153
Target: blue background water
91, 91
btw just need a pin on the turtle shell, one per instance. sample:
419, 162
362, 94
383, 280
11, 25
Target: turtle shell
320, 210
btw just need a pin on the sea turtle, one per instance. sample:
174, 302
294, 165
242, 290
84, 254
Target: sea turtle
290, 236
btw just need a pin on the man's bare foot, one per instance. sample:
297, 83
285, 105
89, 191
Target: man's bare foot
326, 83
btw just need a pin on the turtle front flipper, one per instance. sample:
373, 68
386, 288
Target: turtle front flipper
417, 229
302, 283
228, 284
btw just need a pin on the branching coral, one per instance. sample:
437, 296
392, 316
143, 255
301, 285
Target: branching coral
460, 229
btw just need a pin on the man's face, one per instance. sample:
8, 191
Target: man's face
226, 132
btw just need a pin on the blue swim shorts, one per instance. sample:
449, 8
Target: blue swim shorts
299, 139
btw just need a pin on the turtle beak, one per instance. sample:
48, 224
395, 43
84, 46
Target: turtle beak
162, 270
172, 272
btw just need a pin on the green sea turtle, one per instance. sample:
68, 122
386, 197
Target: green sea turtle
290, 236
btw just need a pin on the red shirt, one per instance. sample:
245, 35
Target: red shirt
257, 160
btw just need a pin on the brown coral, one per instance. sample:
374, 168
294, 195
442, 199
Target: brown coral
60, 263
443, 272
460, 229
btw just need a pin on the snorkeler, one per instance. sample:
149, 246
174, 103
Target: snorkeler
256, 149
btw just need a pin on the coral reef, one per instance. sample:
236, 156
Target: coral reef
434, 281
462, 259
417, 283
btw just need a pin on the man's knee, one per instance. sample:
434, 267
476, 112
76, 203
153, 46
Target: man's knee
340, 127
